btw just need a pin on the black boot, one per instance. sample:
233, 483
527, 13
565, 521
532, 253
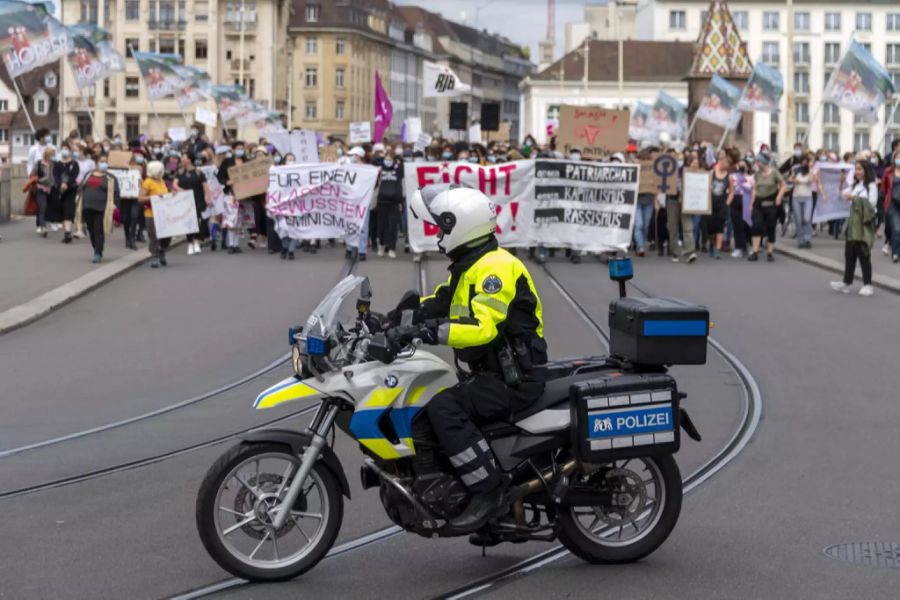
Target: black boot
481, 507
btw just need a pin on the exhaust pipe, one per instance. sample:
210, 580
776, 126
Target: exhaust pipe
535, 485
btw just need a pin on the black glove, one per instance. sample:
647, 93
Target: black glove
402, 335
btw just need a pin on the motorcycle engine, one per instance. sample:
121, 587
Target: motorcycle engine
445, 495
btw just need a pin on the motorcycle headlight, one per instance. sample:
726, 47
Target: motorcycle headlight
297, 359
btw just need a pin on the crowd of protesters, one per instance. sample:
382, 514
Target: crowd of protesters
753, 198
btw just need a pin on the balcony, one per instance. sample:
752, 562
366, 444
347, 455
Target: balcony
234, 26
76, 103
167, 25
236, 64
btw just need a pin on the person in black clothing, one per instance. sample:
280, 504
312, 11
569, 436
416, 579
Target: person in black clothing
65, 173
235, 158
787, 169
193, 180
198, 143
390, 201
94, 200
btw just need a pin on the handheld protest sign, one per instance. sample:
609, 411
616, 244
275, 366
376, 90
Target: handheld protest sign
129, 181
119, 159
594, 130
175, 214
250, 179
360, 132
696, 192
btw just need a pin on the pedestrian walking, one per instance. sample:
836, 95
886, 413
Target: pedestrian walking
676, 218
765, 200
154, 186
862, 193
65, 174
390, 200
98, 197
44, 184
802, 203
192, 180
722, 191
743, 182
890, 184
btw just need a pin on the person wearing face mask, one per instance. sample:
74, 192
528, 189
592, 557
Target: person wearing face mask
890, 185
99, 195
802, 203
232, 230
193, 180
390, 202
257, 205
42, 174
289, 158
42, 140
676, 219
742, 182
766, 198
862, 194
65, 173
154, 186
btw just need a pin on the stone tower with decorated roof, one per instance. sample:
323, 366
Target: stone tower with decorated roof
719, 51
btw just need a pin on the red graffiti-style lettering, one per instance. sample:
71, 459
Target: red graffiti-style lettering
507, 170
424, 175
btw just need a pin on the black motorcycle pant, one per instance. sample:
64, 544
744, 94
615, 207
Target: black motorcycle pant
456, 414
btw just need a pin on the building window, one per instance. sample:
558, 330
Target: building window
4, 105
801, 53
312, 13
89, 11
860, 141
200, 49
339, 46
893, 21
83, 124
132, 127
50, 80
151, 45
770, 53
40, 106
312, 77
832, 21
311, 45
801, 21
132, 10
893, 54
831, 114
867, 46
339, 111
677, 20
832, 53
891, 116
801, 82
740, 19
167, 45
863, 21
339, 78
801, 112
832, 141
201, 11
771, 21
106, 88
132, 44
310, 110
132, 87
4, 135
181, 52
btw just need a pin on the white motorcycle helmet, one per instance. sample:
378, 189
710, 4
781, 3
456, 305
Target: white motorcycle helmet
462, 215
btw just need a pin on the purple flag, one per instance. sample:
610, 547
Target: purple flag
383, 110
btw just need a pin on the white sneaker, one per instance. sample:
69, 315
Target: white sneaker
840, 286
190, 249
78, 235
54, 227
886, 250
197, 248
380, 250
39, 230
392, 254
866, 290
737, 254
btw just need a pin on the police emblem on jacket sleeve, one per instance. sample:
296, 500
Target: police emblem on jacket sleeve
492, 284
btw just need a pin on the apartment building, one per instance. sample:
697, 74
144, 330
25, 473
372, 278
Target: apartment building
235, 41
821, 32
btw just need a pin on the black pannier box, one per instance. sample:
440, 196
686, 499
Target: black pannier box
627, 415
658, 331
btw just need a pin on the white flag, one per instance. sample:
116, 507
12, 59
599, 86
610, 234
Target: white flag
442, 81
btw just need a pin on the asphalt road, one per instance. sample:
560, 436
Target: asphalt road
819, 470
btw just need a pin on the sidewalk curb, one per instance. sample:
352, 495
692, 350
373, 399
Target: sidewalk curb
37, 308
878, 280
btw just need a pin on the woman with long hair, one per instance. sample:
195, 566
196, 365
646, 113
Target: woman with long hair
862, 193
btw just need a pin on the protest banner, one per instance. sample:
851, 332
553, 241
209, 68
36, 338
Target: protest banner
696, 192
509, 185
304, 147
669, 116
475, 133
658, 175
205, 116
129, 181
174, 214
250, 179
719, 105
412, 127
178, 134
216, 201
360, 132
831, 204
119, 159
281, 140
859, 83
763, 90
441, 81
639, 127
320, 201
585, 206
595, 131
422, 142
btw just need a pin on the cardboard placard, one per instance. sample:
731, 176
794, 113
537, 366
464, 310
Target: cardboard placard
119, 159
360, 132
659, 175
304, 146
129, 181
328, 154
501, 135
594, 130
475, 133
422, 142
205, 116
696, 192
412, 129
250, 179
178, 134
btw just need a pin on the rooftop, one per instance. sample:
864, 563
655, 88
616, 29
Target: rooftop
643, 61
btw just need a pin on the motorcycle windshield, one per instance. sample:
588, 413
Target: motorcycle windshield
335, 307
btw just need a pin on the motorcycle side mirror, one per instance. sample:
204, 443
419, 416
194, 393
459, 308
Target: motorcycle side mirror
409, 301
381, 350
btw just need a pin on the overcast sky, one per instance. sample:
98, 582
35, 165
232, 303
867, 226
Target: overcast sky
522, 21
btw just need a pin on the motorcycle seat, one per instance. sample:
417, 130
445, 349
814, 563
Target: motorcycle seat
556, 391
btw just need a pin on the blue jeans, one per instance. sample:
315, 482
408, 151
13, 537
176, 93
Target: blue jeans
289, 244
803, 218
643, 215
364, 235
894, 220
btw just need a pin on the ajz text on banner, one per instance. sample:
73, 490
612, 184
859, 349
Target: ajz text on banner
441, 81
326, 200
509, 185
585, 206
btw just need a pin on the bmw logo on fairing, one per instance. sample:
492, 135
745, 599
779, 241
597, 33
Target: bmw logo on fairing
391, 381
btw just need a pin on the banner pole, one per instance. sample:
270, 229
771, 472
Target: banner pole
887, 124
722, 141
687, 136
24, 106
811, 121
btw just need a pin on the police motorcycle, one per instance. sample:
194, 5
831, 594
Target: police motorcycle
589, 463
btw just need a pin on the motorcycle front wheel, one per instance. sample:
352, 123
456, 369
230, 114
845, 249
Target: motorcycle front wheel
236, 503
642, 502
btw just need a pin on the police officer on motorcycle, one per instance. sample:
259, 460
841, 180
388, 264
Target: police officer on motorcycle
489, 312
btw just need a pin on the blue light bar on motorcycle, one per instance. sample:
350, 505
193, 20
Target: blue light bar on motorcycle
315, 346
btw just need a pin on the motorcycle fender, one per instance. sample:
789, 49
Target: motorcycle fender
297, 441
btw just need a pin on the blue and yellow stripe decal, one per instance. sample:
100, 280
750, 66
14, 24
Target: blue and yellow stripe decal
364, 423
285, 391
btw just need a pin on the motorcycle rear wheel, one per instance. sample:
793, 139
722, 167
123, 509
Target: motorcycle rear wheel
649, 493
233, 513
